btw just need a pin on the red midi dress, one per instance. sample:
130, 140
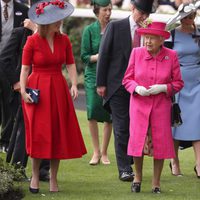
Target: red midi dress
52, 129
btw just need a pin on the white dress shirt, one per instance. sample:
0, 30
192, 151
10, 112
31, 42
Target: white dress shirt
133, 27
7, 26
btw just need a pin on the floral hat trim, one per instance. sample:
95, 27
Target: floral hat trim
40, 7
50, 11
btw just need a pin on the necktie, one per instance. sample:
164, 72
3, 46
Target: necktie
5, 12
136, 39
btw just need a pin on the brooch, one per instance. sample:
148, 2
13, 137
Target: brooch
166, 57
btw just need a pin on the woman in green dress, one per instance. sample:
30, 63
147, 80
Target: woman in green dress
89, 54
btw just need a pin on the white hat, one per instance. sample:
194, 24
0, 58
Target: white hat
183, 11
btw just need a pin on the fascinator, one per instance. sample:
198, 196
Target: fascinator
183, 11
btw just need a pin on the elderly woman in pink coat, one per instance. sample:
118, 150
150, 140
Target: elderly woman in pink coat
152, 77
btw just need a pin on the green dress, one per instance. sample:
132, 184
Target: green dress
90, 46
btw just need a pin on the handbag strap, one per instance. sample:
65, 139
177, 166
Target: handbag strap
173, 94
173, 99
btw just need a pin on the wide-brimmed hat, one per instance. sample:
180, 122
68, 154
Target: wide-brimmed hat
183, 11
143, 5
102, 3
155, 28
50, 11
33, 2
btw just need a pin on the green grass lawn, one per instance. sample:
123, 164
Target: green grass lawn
80, 181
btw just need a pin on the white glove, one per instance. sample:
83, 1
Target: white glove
142, 91
158, 88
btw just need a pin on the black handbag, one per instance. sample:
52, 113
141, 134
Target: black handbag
176, 119
34, 94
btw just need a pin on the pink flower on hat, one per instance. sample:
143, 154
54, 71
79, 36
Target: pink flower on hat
40, 7
58, 3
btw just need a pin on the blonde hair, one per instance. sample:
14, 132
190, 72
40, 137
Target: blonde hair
43, 30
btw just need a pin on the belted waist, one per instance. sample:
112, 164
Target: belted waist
48, 70
190, 64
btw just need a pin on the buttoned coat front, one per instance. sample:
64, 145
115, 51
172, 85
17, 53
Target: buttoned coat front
155, 110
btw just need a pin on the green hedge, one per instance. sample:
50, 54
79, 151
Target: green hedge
10, 190
74, 26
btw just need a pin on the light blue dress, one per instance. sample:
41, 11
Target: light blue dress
188, 50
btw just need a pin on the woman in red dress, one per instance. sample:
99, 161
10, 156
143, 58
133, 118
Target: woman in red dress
52, 129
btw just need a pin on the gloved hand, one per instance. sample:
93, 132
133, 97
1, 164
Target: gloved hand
157, 88
142, 91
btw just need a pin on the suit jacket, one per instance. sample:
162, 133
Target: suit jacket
114, 55
18, 19
11, 55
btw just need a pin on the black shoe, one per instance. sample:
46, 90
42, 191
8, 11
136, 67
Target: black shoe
156, 190
126, 176
136, 187
3, 148
33, 190
44, 178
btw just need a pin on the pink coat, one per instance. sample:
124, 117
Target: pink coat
154, 110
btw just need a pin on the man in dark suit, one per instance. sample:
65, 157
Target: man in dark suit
10, 66
113, 60
13, 17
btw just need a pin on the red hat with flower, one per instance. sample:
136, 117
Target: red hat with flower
155, 28
49, 11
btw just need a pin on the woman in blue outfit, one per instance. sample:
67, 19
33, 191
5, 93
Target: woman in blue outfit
89, 54
187, 45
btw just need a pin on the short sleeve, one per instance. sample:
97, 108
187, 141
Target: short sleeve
69, 52
27, 56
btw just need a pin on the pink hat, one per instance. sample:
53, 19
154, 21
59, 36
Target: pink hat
155, 28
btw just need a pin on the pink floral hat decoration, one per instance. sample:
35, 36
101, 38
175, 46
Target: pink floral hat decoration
155, 28
49, 11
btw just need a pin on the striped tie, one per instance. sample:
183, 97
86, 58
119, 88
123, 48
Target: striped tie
5, 12
136, 39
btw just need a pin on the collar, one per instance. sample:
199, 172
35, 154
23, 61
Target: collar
132, 23
160, 56
10, 4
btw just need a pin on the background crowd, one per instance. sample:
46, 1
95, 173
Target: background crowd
166, 6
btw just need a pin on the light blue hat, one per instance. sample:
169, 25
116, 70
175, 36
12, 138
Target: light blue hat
49, 11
